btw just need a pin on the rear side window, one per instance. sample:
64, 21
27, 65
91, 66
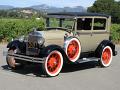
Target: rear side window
84, 23
99, 24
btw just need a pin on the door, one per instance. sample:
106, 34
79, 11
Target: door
84, 33
100, 31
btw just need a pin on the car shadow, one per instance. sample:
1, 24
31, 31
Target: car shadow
28, 70
79, 66
35, 70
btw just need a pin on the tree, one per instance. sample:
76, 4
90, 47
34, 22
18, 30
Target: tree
110, 7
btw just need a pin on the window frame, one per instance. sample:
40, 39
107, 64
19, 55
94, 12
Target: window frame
93, 17
87, 18
106, 24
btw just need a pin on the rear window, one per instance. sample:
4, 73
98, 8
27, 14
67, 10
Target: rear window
99, 24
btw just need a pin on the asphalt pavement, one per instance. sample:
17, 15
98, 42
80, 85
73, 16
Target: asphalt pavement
84, 76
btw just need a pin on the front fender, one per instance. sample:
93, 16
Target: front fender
16, 44
46, 51
13, 44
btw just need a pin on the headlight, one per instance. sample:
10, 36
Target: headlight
41, 41
21, 38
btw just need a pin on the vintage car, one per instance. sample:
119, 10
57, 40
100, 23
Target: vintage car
67, 38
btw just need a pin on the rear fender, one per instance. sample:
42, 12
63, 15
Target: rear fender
104, 43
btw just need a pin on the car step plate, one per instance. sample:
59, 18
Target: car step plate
87, 59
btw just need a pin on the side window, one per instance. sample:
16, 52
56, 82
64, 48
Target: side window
84, 23
99, 24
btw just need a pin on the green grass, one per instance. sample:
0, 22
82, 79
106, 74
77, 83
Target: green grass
115, 33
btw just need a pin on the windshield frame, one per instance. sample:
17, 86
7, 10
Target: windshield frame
48, 27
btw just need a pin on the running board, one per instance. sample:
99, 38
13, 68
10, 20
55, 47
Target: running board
87, 60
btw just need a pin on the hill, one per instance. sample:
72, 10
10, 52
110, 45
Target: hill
6, 7
46, 8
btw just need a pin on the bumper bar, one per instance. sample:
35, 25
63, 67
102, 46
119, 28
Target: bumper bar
27, 58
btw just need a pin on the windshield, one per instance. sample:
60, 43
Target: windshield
60, 23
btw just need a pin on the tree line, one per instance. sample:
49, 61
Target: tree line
110, 7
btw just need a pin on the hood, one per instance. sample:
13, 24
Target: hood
53, 36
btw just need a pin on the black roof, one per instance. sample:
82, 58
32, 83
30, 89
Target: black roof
75, 14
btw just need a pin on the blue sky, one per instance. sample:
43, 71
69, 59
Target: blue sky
57, 3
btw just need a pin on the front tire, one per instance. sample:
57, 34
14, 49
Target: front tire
53, 63
11, 61
106, 56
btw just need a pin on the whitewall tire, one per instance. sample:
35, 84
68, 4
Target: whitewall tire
106, 56
53, 63
73, 49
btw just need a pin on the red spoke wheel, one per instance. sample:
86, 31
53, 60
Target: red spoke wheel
73, 49
53, 63
11, 60
106, 57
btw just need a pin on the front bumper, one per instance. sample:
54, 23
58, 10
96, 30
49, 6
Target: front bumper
27, 58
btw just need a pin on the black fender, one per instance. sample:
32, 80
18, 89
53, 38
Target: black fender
13, 44
104, 43
16, 44
46, 51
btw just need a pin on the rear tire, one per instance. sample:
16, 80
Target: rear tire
106, 56
11, 61
53, 63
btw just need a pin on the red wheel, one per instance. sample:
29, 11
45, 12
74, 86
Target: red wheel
53, 63
73, 49
106, 57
